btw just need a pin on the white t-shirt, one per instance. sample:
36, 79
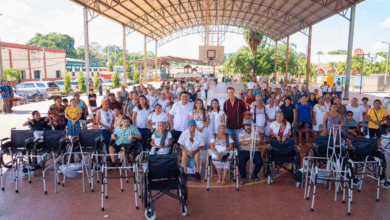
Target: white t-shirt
164, 104
260, 116
152, 100
271, 112
357, 112
325, 88
205, 86
157, 141
142, 116
180, 113
173, 93
251, 85
106, 118
179, 90
215, 120
186, 142
339, 88
275, 128
156, 119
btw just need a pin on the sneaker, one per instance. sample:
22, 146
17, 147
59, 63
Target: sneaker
197, 177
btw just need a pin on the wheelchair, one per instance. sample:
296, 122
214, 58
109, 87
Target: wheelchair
281, 153
367, 160
163, 173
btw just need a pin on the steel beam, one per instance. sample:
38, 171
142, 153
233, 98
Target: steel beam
276, 60
156, 64
308, 57
287, 57
86, 47
349, 55
144, 56
124, 56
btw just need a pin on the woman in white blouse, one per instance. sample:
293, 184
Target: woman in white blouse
155, 118
217, 116
202, 119
270, 111
140, 116
281, 128
319, 112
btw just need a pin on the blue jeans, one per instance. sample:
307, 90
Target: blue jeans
339, 94
235, 133
323, 94
205, 93
145, 136
244, 156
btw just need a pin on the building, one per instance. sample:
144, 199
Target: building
35, 63
75, 66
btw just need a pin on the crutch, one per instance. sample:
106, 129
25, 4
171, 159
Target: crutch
252, 151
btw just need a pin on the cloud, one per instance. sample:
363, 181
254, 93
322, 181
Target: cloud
378, 47
385, 24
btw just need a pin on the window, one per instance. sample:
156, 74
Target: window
61, 83
73, 74
52, 85
40, 85
21, 86
92, 73
23, 73
29, 85
74, 83
58, 74
37, 74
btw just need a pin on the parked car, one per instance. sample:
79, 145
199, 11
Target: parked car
38, 89
75, 86
107, 83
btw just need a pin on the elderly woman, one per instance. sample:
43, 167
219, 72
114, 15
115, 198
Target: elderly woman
56, 114
281, 128
161, 139
219, 145
319, 112
73, 114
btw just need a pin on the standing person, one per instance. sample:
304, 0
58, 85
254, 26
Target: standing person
234, 109
118, 117
202, 119
365, 116
105, 120
193, 95
244, 92
56, 114
84, 108
11, 96
124, 93
206, 87
339, 89
246, 140
328, 99
220, 143
304, 110
295, 96
152, 98
304, 91
156, 117
331, 118
324, 89
342, 109
377, 117
217, 116
313, 99
358, 110
4, 91
319, 112
257, 91
264, 95
100, 87
140, 116
289, 111
92, 100
250, 98
107, 96
73, 114
164, 102
251, 84
258, 116
130, 105
270, 110
178, 116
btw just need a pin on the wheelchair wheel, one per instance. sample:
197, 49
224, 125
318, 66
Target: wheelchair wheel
266, 163
184, 210
150, 215
183, 188
385, 183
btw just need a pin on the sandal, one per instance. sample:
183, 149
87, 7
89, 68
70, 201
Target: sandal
242, 182
218, 182
223, 183
300, 144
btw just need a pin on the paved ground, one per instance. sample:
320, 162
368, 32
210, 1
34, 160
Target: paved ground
280, 200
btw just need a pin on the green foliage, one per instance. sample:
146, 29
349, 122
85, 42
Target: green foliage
55, 41
67, 84
338, 52
96, 81
115, 80
129, 70
110, 66
383, 54
136, 77
12, 73
82, 83
320, 52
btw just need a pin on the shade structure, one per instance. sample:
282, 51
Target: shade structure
276, 19
187, 66
166, 60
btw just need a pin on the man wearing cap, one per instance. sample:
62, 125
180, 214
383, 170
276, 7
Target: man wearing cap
179, 115
4, 95
190, 143
245, 139
234, 109
123, 134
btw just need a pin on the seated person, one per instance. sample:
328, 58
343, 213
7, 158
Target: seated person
124, 134
193, 95
161, 140
281, 128
37, 123
190, 143
352, 127
245, 139
220, 144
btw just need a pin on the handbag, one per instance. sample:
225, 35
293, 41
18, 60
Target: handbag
383, 128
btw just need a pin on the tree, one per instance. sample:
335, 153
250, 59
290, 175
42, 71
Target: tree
136, 77
320, 52
55, 41
338, 52
12, 73
110, 66
82, 83
253, 39
115, 80
96, 81
129, 70
383, 54
67, 83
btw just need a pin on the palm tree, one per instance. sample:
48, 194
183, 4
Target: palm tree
13, 73
253, 39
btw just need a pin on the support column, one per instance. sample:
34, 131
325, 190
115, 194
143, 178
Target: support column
29, 64
86, 46
1, 62
144, 56
349, 55
11, 66
155, 62
42, 64
124, 57
287, 58
308, 57
276, 60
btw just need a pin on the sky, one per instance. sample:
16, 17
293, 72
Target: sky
22, 19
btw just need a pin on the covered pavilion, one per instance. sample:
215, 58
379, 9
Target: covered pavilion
165, 20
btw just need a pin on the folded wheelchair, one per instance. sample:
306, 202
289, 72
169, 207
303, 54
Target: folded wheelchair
163, 173
282, 153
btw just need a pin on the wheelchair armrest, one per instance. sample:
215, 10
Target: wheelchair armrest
296, 148
2, 140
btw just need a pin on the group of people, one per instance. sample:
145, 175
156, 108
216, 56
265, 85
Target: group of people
174, 113
6, 96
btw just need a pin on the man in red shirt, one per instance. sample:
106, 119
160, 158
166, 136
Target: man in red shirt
234, 109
